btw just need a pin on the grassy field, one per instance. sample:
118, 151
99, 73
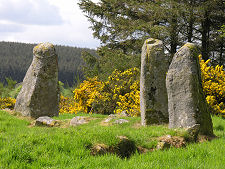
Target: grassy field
23, 146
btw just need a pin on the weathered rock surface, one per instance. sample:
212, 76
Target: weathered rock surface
46, 121
39, 95
153, 93
168, 141
193, 132
121, 121
163, 145
107, 120
112, 116
99, 149
78, 120
186, 103
116, 116
123, 114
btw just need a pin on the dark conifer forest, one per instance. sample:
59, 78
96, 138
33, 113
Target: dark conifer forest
15, 59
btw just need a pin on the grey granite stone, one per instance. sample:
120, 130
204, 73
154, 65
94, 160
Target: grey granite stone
153, 93
39, 95
186, 102
78, 120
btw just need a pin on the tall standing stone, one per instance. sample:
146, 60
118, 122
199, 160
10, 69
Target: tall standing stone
153, 94
186, 102
39, 95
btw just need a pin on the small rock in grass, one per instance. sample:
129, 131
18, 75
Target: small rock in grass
121, 121
170, 141
107, 120
99, 149
112, 115
162, 145
122, 138
143, 150
123, 114
46, 121
78, 121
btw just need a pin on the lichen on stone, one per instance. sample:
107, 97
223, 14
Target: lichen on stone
192, 48
150, 44
40, 85
189, 45
43, 48
153, 93
187, 106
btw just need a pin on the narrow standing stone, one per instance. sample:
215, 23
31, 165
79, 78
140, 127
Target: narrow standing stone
153, 94
39, 95
186, 101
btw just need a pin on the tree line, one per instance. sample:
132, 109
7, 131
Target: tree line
15, 59
122, 26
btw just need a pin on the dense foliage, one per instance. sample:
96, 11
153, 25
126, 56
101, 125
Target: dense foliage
8, 93
66, 105
8, 103
107, 61
213, 81
222, 30
9, 89
119, 93
125, 24
15, 58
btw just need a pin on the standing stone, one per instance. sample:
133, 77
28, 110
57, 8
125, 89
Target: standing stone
153, 94
39, 95
186, 101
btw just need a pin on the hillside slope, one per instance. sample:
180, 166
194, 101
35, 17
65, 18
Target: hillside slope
15, 58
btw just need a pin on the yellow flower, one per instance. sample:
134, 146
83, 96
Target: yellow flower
213, 83
7, 103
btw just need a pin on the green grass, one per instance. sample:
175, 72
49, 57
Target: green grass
22, 146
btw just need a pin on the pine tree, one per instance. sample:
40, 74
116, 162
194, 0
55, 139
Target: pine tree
125, 24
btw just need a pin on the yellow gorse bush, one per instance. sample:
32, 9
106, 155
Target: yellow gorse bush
86, 94
119, 93
213, 82
125, 91
7, 103
66, 105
